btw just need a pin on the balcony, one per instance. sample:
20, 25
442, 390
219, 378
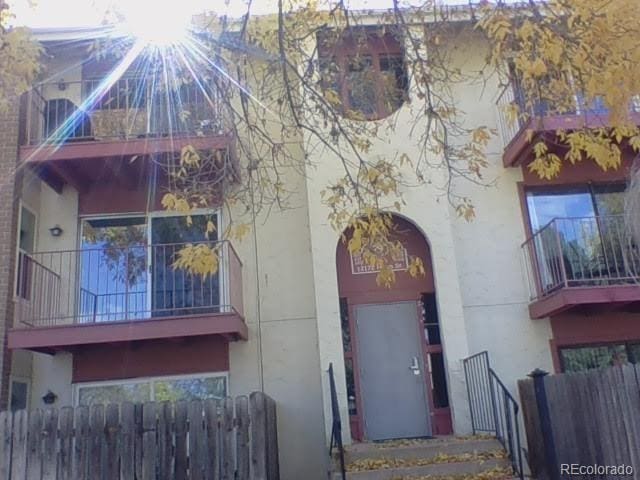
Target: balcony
541, 119
68, 299
78, 121
581, 263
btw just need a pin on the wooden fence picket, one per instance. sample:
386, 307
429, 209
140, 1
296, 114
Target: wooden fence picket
19, 445
66, 442
96, 434
258, 436
165, 441
197, 440
594, 417
127, 441
112, 439
149, 445
226, 430
242, 438
212, 423
6, 424
181, 472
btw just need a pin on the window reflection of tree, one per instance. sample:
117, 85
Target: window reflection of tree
575, 359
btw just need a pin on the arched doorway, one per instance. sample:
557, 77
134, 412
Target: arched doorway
396, 380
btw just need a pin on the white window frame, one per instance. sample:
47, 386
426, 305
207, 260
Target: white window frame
76, 387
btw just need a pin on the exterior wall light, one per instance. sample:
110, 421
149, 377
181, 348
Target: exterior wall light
49, 398
56, 231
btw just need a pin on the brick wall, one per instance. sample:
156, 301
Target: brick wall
9, 132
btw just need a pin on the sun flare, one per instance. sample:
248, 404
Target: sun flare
156, 25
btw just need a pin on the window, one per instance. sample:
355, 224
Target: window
580, 237
365, 70
19, 395
26, 246
198, 387
582, 202
348, 357
576, 359
430, 319
127, 268
27, 237
431, 324
113, 269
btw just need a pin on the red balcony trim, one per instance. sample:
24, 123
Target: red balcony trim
568, 298
516, 152
65, 337
120, 148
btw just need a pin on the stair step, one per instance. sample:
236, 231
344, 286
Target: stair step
473, 467
425, 449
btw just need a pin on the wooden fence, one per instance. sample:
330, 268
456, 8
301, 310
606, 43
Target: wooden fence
587, 418
197, 440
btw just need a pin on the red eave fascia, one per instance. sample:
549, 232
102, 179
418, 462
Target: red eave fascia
568, 298
65, 337
516, 154
120, 148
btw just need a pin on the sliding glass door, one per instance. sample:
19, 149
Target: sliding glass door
126, 269
113, 269
176, 291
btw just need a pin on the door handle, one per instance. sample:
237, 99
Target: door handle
415, 366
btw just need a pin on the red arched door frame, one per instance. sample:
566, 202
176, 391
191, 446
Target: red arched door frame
357, 287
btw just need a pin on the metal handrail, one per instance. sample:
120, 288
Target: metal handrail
115, 284
336, 424
580, 252
132, 107
511, 94
493, 409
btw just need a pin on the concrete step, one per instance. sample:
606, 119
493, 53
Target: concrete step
425, 458
415, 449
432, 470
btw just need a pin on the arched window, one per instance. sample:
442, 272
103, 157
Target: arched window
364, 71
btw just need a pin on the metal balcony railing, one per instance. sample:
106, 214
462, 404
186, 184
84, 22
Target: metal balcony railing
119, 284
580, 252
514, 111
130, 108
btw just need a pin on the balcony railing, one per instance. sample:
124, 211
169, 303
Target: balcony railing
130, 108
580, 252
514, 112
122, 284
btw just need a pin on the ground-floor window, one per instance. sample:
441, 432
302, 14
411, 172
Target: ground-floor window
19, 394
159, 389
575, 359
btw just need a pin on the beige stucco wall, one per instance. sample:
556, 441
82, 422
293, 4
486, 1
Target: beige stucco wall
49, 372
490, 263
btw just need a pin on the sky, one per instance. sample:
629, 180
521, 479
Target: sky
79, 13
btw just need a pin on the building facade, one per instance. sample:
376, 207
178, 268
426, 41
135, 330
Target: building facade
95, 312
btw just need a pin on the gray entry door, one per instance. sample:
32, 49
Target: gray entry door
392, 382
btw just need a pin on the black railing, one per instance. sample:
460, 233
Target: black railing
93, 109
101, 284
336, 425
493, 408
